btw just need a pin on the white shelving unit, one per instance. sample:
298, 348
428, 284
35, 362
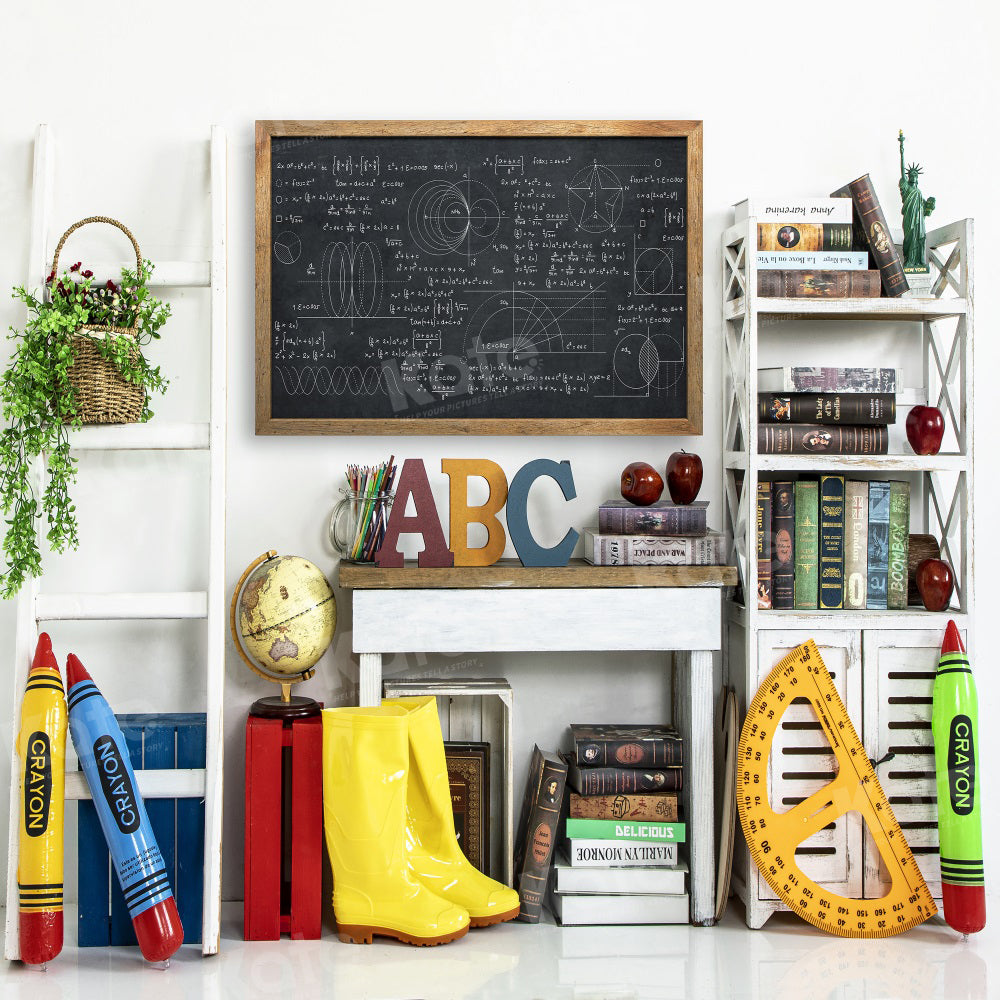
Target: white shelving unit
36, 607
882, 661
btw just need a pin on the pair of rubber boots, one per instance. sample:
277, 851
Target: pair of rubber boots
397, 868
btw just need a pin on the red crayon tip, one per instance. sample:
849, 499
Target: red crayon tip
964, 907
952, 640
158, 931
75, 670
41, 936
44, 658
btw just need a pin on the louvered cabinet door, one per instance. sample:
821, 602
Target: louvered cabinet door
898, 683
802, 761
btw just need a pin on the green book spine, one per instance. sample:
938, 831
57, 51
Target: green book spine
899, 544
806, 545
831, 542
624, 829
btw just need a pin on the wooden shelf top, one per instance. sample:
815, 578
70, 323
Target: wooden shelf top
509, 574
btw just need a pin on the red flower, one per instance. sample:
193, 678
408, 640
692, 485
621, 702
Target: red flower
88, 274
110, 286
51, 277
75, 267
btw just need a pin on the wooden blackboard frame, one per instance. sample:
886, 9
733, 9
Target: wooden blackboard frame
691, 423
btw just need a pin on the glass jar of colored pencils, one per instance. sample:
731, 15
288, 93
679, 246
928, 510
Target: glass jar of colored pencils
357, 525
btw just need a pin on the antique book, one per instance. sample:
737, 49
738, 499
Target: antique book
783, 546
572, 908
827, 439
806, 545
805, 236
641, 880
625, 829
537, 831
855, 545
619, 517
649, 805
803, 378
612, 780
600, 744
816, 284
654, 550
795, 209
899, 544
590, 853
870, 220
831, 542
764, 538
826, 407
878, 546
469, 780
821, 261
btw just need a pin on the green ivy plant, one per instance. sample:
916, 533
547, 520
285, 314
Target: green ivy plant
39, 403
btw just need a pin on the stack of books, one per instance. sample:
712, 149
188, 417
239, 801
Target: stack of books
828, 248
662, 534
619, 860
825, 411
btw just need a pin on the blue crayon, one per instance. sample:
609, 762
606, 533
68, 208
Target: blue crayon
134, 852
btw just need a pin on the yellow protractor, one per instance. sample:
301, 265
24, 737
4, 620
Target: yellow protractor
773, 837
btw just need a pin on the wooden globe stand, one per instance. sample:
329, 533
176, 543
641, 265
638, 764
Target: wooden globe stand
282, 892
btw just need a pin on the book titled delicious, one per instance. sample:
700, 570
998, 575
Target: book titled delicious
654, 550
619, 517
604, 745
810, 439
624, 829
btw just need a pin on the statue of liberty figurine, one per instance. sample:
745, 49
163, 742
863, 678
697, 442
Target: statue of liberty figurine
915, 209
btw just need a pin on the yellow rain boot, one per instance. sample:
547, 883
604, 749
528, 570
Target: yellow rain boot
432, 849
365, 761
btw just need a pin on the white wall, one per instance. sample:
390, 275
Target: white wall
793, 102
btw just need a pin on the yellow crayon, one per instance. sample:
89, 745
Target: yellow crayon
41, 748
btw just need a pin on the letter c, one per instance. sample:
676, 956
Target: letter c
528, 550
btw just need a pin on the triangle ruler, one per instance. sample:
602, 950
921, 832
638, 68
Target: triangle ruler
773, 837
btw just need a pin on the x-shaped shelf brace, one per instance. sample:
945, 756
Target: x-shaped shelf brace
947, 270
733, 278
946, 524
738, 512
946, 360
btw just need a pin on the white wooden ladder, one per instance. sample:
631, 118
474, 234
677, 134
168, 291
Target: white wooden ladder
35, 608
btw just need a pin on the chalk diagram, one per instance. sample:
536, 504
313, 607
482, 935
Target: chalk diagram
447, 217
523, 323
648, 364
351, 280
653, 273
287, 247
595, 197
341, 380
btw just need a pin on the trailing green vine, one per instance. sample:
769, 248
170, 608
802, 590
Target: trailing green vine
39, 402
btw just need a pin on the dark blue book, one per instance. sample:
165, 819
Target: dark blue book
878, 545
831, 542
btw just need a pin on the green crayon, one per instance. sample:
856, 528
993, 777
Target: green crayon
955, 725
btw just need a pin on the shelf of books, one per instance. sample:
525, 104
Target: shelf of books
828, 509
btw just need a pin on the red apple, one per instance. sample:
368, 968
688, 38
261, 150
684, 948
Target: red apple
935, 582
684, 474
641, 484
925, 429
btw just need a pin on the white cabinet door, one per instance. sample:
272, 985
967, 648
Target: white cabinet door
899, 669
802, 762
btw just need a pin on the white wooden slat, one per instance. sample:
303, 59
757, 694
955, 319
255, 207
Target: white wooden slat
847, 309
26, 629
466, 720
855, 621
169, 783
394, 621
216, 637
166, 273
121, 607
866, 463
154, 436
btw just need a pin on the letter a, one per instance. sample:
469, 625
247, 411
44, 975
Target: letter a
413, 483
458, 471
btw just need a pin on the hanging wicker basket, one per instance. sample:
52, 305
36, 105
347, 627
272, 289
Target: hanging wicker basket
102, 395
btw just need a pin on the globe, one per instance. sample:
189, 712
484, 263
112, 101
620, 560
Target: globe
287, 614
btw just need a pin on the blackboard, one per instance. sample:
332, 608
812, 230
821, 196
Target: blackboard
479, 277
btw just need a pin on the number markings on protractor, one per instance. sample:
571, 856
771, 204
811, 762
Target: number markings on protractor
773, 837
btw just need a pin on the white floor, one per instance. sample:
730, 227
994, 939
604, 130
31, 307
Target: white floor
788, 959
